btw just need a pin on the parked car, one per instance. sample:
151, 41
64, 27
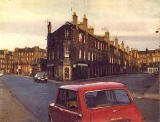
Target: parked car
94, 102
41, 77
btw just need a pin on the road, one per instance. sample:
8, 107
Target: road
36, 96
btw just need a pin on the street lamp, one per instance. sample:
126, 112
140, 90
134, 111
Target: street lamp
158, 31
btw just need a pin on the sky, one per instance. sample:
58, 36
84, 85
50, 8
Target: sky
23, 23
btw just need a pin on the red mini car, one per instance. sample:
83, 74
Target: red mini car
94, 102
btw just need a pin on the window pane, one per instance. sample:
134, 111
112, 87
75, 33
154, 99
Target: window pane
121, 97
106, 98
72, 100
61, 100
68, 99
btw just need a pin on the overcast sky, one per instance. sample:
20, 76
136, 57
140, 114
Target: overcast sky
24, 22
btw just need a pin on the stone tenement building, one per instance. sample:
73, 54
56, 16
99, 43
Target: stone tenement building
23, 58
75, 52
6, 61
149, 60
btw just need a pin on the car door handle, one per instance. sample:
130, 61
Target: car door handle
114, 111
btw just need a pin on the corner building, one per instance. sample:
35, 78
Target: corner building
75, 52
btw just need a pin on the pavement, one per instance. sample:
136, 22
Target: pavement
10, 108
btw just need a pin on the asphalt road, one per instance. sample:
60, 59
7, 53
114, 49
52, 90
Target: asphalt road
36, 96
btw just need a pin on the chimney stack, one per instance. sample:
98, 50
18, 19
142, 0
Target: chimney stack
91, 30
107, 37
85, 22
122, 45
116, 42
49, 27
75, 18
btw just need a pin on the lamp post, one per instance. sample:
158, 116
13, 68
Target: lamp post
158, 31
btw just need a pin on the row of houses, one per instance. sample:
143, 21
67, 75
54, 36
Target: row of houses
149, 60
24, 61
6, 61
75, 52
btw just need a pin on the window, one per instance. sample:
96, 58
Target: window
92, 56
84, 55
68, 99
52, 55
66, 52
80, 54
89, 55
95, 56
62, 98
121, 97
106, 98
95, 44
80, 38
66, 33
98, 45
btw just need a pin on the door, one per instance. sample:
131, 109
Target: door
67, 73
60, 106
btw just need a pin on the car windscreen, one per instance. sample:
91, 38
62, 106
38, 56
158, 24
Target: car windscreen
104, 98
41, 74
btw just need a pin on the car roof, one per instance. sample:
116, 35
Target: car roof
93, 86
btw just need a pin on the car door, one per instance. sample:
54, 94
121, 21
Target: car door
60, 106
